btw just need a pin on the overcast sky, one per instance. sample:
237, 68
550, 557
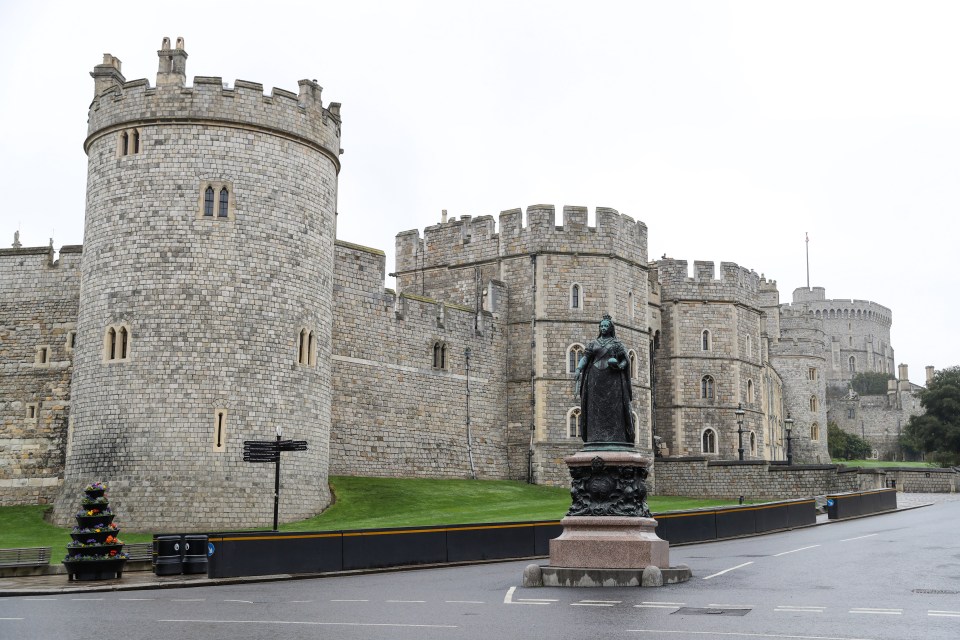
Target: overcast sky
729, 128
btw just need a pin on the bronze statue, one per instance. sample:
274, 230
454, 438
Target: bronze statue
603, 385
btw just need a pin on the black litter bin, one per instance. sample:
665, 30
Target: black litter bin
195, 554
169, 555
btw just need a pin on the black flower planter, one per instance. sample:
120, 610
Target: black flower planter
94, 562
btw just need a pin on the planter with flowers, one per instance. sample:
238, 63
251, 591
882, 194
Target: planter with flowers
96, 552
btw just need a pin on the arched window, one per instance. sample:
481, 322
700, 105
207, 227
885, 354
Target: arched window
753, 443
311, 352
707, 388
632, 357
815, 432
220, 430
439, 355
122, 339
573, 423
574, 353
813, 403
749, 391
136, 141
575, 296
853, 364
630, 305
708, 441
224, 199
124, 143
705, 340
208, 202
749, 346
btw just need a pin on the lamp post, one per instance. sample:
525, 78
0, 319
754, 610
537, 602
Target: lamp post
788, 423
739, 413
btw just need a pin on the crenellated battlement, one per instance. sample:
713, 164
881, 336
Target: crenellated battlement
471, 240
120, 104
735, 284
814, 302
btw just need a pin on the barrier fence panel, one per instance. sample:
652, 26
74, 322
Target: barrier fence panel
392, 547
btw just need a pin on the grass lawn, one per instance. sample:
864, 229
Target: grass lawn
368, 503
872, 464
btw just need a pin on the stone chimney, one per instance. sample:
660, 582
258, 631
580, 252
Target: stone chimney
173, 64
930, 371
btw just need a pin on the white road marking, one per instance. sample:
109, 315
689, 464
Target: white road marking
318, 624
241, 601
508, 599
464, 601
720, 573
656, 606
943, 614
349, 601
679, 604
777, 555
746, 635
859, 537
790, 609
135, 599
407, 601
595, 603
882, 612
188, 599
300, 601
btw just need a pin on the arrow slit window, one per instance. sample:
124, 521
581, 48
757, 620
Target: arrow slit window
220, 430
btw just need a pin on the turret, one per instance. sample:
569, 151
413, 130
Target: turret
107, 76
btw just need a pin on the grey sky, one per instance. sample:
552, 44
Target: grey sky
730, 129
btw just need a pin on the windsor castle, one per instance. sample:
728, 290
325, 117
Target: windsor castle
212, 302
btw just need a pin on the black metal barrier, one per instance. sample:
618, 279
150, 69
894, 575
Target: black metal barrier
178, 553
271, 552
701, 525
860, 503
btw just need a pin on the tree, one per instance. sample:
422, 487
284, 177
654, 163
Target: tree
846, 446
937, 431
870, 383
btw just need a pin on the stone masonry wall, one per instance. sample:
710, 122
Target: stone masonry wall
755, 480
394, 413
38, 310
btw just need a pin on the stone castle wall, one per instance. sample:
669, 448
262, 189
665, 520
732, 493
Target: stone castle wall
395, 413
879, 419
755, 480
38, 314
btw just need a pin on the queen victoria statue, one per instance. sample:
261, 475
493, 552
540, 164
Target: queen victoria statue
603, 385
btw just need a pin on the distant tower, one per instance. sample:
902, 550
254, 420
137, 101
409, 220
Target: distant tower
206, 309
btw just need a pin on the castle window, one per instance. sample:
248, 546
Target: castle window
42, 356
853, 362
32, 412
851, 412
575, 296
208, 202
632, 357
574, 353
439, 355
124, 143
224, 199
573, 423
749, 391
815, 432
220, 430
630, 306
749, 346
812, 373
753, 443
708, 441
705, 340
116, 343
71, 341
707, 388
136, 141
219, 196
813, 403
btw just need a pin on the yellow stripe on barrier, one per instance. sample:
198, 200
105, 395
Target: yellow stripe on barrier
718, 511
381, 533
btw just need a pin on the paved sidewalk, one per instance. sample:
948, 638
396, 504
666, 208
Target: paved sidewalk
136, 580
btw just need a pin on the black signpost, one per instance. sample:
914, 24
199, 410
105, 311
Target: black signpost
269, 451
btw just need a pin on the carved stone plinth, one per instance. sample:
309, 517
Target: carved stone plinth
608, 525
609, 542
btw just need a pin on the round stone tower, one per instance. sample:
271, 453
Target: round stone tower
206, 305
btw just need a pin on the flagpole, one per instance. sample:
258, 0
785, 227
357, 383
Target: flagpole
808, 258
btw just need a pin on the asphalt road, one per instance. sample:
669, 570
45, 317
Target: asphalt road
893, 576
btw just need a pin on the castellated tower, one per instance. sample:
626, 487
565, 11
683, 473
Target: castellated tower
559, 280
709, 361
206, 309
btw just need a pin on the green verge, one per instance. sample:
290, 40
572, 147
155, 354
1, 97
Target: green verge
371, 503
874, 464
